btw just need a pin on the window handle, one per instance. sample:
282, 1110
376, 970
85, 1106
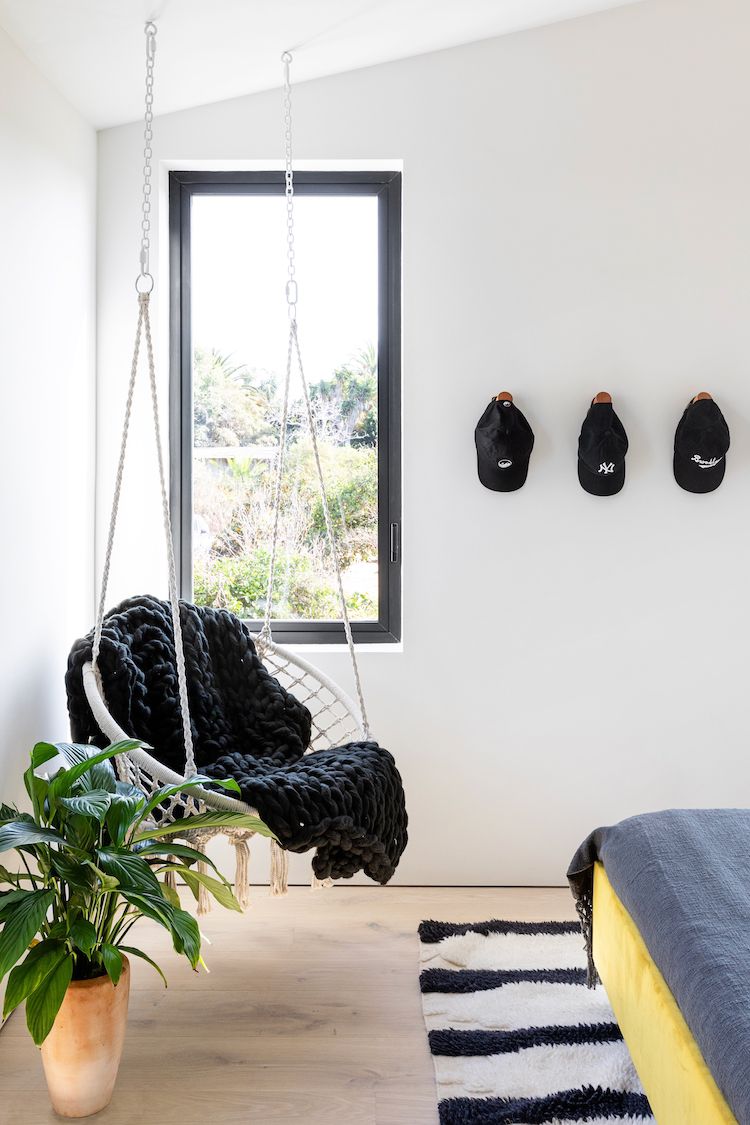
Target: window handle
395, 542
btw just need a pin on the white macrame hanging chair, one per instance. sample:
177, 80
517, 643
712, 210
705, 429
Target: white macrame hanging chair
336, 718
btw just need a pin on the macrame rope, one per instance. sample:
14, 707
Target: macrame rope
330, 532
190, 767
116, 498
144, 327
265, 632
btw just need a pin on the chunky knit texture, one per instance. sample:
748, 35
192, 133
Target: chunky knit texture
347, 802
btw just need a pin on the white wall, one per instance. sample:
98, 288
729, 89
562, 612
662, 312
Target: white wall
576, 218
47, 436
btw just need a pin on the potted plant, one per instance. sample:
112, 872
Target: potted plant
93, 861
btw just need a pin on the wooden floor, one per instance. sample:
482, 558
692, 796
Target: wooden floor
311, 1012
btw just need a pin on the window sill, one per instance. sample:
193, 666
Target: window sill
336, 647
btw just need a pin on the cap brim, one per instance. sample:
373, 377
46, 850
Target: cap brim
504, 480
601, 484
693, 478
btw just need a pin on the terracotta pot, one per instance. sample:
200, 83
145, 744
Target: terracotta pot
81, 1055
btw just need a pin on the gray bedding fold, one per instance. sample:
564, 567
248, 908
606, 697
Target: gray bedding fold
684, 878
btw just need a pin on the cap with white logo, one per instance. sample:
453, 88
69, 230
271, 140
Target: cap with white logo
601, 449
700, 446
504, 440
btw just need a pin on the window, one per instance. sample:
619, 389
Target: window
229, 329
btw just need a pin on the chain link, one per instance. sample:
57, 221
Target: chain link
291, 284
148, 133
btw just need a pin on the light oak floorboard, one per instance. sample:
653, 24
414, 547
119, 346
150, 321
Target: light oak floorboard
311, 1011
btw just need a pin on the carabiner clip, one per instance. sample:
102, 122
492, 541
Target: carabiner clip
150, 30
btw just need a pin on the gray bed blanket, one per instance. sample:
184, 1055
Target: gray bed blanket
684, 878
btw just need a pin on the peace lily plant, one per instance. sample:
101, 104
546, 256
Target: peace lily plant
92, 862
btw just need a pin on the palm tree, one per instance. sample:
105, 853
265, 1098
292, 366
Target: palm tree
229, 407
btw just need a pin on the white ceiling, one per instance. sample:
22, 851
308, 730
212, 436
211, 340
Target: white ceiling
209, 50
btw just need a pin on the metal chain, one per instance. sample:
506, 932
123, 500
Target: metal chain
292, 291
294, 348
291, 300
145, 282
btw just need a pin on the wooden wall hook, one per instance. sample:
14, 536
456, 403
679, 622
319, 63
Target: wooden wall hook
504, 396
603, 396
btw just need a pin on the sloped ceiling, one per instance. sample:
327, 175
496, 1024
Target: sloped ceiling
209, 50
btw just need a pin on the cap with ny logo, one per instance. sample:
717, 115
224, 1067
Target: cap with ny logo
601, 449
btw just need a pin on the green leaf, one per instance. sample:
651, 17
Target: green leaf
83, 934
108, 882
112, 959
66, 779
170, 894
72, 752
9, 900
131, 872
144, 957
81, 831
94, 804
57, 931
166, 791
227, 783
186, 928
17, 832
182, 926
157, 908
181, 851
44, 1003
21, 926
125, 789
43, 752
125, 807
28, 976
221, 891
37, 789
217, 819
101, 776
7, 812
78, 876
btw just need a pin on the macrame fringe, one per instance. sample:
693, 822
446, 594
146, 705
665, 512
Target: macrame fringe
279, 870
317, 884
242, 872
171, 876
204, 898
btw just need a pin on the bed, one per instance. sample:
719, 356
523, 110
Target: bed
664, 901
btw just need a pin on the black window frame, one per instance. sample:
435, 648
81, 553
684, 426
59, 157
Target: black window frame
386, 186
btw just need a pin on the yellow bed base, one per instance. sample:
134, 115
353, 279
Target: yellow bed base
677, 1082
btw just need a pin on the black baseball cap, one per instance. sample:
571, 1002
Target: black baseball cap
601, 449
504, 441
700, 446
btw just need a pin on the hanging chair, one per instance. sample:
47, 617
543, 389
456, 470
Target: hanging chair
372, 839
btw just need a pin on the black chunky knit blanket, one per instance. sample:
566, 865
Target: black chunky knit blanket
347, 802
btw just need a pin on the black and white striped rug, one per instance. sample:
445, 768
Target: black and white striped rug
516, 1036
